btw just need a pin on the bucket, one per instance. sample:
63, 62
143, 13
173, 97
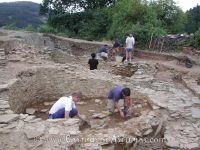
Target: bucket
118, 59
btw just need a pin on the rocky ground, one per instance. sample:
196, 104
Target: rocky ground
37, 69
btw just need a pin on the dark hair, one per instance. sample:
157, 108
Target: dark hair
93, 55
77, 94
126, 92
127, 34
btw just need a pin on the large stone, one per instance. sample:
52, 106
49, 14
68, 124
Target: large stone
3, 87
195, 113
99, 115
43, 110
9, 111
97, 101
172, 143
30, 111
54, 130
29, 118
148, 132
95, 124
8, 118
3, 125
11, 126
23, 116
192, 146
4, 131
71, 122
4, 107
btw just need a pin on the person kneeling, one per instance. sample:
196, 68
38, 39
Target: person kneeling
117, 93
65, 107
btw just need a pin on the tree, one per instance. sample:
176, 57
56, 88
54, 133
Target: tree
73, 5
196, 39
170, 15
88, 25
134, 16
193, 19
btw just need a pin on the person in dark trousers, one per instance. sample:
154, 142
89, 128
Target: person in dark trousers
93, 62
65, 107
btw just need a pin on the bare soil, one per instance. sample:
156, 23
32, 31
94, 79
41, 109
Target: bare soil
89, 107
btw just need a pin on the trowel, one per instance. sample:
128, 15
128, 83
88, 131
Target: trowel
85, 121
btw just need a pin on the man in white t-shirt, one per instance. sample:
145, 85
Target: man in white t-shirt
65, 107
130, 41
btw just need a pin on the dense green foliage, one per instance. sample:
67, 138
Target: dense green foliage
69, 6
88, 25
45, 28
193, 19
111, 19
172, 17
196, 39
136, 17
20, 13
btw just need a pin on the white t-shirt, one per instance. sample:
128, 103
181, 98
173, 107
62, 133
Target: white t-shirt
130, 41
63, 102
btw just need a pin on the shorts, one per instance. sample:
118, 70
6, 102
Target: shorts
111, 105
129, 49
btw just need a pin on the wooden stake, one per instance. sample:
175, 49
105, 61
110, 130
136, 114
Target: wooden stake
150, 40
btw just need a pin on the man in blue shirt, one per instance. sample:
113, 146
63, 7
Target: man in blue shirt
102, 52
114, 95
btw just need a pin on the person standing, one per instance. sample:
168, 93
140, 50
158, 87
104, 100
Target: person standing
130, 41
93, 63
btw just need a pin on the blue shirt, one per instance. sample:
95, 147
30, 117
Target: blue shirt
115, 93
102, 49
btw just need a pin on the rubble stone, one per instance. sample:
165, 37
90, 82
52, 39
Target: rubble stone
8, 118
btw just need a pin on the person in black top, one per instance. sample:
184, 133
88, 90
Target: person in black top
93, 62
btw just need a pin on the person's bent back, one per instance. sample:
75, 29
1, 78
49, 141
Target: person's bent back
65, 107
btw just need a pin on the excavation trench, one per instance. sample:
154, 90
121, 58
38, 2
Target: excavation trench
37, 91
95, 110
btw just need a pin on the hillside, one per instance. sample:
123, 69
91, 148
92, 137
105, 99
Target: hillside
20, 13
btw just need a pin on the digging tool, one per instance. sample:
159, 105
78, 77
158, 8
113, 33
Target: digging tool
85, 121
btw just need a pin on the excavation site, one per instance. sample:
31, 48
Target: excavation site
37, 69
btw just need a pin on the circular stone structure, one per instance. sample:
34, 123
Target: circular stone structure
48, 84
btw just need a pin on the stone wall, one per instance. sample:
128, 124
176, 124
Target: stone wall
75, 46
62, 57
9, 45
48, 84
